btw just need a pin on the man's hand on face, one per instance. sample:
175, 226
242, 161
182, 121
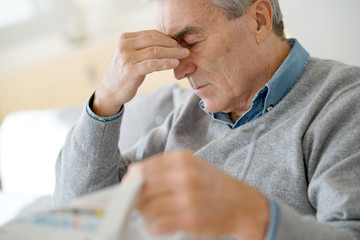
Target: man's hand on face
136, 55
185, 193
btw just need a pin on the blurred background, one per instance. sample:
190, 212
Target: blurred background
53, 52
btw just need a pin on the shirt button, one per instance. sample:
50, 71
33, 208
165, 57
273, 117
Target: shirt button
269, 108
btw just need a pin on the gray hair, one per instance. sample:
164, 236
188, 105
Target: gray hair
236, 8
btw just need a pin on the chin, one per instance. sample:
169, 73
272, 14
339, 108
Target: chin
211, 107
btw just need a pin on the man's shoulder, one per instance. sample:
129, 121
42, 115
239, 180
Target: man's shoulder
330, 75
333, 68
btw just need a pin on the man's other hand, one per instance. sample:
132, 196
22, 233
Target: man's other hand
183, 192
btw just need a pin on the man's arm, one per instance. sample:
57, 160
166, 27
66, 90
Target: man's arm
90, 158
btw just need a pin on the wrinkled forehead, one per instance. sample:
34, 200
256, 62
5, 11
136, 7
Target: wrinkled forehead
173, 15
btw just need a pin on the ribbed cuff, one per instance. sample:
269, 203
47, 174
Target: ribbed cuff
273, 221
101, 119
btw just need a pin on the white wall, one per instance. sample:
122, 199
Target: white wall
326, 28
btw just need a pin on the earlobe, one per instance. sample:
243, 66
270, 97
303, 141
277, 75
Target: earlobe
263, 15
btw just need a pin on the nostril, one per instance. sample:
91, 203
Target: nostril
184, 69
177, 74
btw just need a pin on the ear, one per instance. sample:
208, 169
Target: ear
264, 17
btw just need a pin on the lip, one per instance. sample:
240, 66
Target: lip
200, 87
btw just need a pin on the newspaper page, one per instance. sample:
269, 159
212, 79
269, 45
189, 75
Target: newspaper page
105, 215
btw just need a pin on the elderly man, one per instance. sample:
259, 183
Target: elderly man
301, 179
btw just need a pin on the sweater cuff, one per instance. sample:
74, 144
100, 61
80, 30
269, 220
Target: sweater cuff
273, 221
101, 119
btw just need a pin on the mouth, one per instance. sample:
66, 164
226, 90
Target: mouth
197, 88
202, 91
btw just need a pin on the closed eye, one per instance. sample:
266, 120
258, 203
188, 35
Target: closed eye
191, 44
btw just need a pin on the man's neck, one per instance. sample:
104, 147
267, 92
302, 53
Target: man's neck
276, 53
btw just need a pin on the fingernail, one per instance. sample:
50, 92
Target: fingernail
174, 62
185, 51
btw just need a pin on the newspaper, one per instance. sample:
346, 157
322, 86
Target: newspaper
105, 215
99, 216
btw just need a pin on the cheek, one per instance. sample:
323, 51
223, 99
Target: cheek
216, 62
226, 72
223, 63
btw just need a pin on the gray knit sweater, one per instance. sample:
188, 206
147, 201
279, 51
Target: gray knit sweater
307, 160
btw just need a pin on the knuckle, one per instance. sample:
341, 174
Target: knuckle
186, 200
146, 67
123, 36
189, 219
122, 46
183, 159
186, 180
149, 65
183, 154
156, 52
152, 35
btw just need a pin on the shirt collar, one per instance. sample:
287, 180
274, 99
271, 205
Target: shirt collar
287, 75
277, 87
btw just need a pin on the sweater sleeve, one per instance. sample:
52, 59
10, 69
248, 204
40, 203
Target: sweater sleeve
292, 225
89, 159
331, 150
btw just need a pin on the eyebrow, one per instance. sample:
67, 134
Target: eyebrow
185, 31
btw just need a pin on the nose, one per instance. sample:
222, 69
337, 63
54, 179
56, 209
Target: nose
185, 68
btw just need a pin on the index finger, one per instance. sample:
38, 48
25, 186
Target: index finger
147, 38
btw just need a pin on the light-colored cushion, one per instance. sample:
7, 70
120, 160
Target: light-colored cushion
31, 140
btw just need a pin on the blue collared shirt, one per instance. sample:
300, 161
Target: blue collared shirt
274, 90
